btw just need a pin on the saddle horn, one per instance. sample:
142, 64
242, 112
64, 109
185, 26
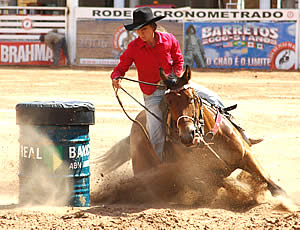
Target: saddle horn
172, 81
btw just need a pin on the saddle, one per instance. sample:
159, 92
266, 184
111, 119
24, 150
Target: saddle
225, 112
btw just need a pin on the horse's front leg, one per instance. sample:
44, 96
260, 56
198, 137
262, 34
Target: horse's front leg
250, 164
142, 152
242, 157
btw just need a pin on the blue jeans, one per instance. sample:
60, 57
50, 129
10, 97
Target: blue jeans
155, 128
207, 94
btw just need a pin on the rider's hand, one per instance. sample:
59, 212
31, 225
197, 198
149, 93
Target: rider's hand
116, 83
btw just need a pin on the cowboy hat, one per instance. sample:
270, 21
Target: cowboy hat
141, 17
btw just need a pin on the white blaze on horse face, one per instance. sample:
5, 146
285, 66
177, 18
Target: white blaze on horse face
183, 111
187, 134
186, 122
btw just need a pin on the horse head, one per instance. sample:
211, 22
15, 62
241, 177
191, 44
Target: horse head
185, 107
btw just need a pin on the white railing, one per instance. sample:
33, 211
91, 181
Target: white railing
28, 23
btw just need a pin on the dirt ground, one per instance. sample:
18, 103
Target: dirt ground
268, 107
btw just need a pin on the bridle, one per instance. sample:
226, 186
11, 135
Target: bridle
197, 117
198, 121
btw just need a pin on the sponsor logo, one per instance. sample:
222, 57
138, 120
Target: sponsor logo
122, 38
283, 56
27, 24
11, 53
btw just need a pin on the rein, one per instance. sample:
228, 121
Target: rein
142, 82
133, 120
119, 100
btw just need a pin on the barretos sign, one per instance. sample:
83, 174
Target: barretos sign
191, 14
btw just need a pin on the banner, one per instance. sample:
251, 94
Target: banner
250, 45
190, 14
27, 53
108, 39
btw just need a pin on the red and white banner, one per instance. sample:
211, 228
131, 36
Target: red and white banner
27, 53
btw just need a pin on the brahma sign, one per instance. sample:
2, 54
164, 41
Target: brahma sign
27, 53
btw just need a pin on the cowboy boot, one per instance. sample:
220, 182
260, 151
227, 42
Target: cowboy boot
250, 141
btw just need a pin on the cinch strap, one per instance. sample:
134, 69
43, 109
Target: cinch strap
217, 124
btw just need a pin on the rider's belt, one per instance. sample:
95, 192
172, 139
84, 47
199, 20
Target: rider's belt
218, 123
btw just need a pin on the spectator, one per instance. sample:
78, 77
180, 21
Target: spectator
56, 41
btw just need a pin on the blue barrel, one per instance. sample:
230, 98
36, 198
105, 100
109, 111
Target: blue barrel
54, 152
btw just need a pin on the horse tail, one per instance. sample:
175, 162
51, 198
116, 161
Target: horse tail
114, 157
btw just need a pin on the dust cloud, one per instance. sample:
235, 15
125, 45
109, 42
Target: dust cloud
111, 172
31, 174
170, 184
9, 170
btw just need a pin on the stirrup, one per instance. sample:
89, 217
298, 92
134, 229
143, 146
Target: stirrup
229, 108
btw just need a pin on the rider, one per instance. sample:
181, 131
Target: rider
151, 50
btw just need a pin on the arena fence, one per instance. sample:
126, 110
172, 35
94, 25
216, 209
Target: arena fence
20, 29
259, 39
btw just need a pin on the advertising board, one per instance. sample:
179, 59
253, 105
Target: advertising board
108, 39
259, 45
27, 53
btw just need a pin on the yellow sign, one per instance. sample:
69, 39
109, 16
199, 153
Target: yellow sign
26, 2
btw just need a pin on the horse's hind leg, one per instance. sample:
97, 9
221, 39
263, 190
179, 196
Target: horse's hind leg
251, 165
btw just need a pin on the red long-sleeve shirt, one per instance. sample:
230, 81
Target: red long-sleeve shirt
166, 54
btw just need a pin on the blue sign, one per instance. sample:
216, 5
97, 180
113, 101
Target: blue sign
251, 45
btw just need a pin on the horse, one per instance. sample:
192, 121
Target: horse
205, 144
203, 148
